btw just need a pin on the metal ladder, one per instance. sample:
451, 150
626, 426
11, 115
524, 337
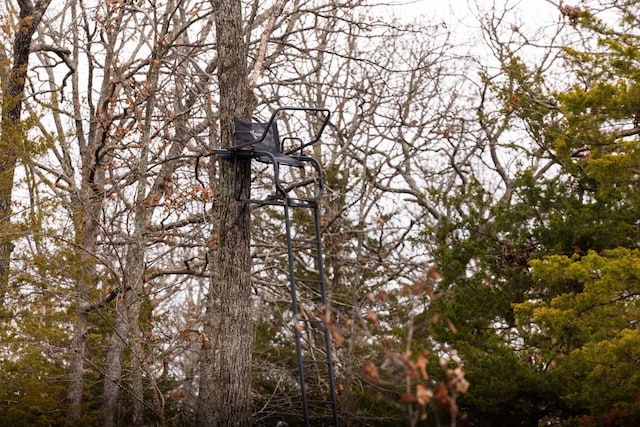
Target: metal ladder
311, 322
310, 326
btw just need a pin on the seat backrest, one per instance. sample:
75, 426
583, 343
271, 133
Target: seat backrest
257, 136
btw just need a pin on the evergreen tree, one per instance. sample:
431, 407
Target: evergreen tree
540, 283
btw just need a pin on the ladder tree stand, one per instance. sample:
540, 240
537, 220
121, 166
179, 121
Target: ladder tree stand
286, 156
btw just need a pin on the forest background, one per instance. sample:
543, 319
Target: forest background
480, 217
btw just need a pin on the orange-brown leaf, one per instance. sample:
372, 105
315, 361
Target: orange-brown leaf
441, 396
452, 327
338, 339
457, 381
371, 317
423, 395
407, 398
433, 274
418, 288
421, 365
383, 296
370, 370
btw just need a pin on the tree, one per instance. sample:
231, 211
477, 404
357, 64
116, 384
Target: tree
121, 153
592, 281
12, 133
132, 261
550, 194
226, 398
587, 340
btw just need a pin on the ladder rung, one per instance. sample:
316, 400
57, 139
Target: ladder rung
310, 204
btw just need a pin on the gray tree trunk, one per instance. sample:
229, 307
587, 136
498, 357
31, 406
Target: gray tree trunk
113, 367
229, 311
127, 315
86, 237
10, 133
86, 229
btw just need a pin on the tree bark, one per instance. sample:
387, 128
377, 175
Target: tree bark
10, 134
86, 230
229, 311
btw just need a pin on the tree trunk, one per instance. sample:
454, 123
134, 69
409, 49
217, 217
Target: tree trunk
137, 360
86, 229
11, 136
230, 292
127, 319
113, 368
76, 365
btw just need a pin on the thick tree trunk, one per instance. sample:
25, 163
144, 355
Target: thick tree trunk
230, 293
86, 238
76, 365
10, 133
231, 289
113, 367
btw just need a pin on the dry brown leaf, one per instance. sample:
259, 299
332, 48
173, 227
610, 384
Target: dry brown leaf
457, 381
433, 274
407, 398
383, 296
371, 317
421, 364
370, 370
441, 396
371, 297
452, 327
423, 395
418, 288
338, 339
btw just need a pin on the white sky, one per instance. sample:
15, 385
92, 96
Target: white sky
530, 15
463, 9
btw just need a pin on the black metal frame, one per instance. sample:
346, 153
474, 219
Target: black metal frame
253, 150
303, 144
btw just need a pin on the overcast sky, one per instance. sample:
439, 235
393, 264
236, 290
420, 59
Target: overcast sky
531, 14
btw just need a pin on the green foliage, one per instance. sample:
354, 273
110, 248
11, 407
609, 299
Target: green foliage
592, 338
36, 392
32, 363
543, 288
